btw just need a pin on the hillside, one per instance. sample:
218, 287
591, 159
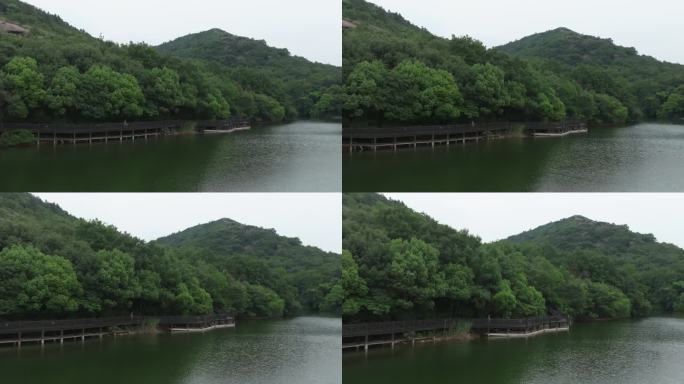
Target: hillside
549, 76
55, 265
56, 72
571, 48
398, 263
289, 79
578, 232
261, 255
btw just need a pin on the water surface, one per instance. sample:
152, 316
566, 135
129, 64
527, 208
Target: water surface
628, 352
303, 350
300, 157
643, 157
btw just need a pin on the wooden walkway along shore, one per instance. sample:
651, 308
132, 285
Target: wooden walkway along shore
184, 324
366, 335
514, 328
41, 332
120, 131
361, 139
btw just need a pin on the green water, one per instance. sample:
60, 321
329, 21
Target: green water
643, 157
303, 350
641, 351
300, 157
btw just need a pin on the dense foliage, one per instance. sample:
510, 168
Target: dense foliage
300, 86
390, 65
55, 265
58, 73
398, 263
16, 137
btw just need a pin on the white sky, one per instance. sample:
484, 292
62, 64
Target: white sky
653, 27
316, 218
308, 28
495, 216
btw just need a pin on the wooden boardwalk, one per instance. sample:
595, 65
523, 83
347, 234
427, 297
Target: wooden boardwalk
361, 139
41, 332
176, 324
366, 335
118, 132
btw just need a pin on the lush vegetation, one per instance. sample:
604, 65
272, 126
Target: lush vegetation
16, 137
398, 263
55, 265
397, 73
301, 87
58, 73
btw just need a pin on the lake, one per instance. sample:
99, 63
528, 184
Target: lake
304, 350
626, 351
643, 157
303, 156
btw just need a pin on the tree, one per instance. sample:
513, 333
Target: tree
673, 107
63, 92
414, 273
609, 110
163, 92
36, 285
265, 302
23, 85
364, 90
107, 94
353, 286
487, 92
113, 284
504, 301
414, 92
607, 302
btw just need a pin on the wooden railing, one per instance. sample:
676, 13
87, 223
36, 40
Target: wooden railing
421, 130
166, 320
381, 328
519, 324
388, 327
7, 327
56, 325
80, 128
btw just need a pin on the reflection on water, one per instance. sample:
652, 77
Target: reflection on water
644, 157
302, 156
303, 350
640, 351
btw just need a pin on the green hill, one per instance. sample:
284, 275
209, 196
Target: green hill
260, 255
55, 265
398, 73
56, 72
570, 47
398, 263
261, 68
578, 232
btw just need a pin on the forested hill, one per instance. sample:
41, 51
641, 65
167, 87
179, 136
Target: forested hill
261, 255
228, 237
459, 79
398, 264
55, 265
570, 47
579, 232
55, 72
271, 71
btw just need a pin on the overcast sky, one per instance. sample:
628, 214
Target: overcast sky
316, 218
653, 27
497, 216
308, 28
